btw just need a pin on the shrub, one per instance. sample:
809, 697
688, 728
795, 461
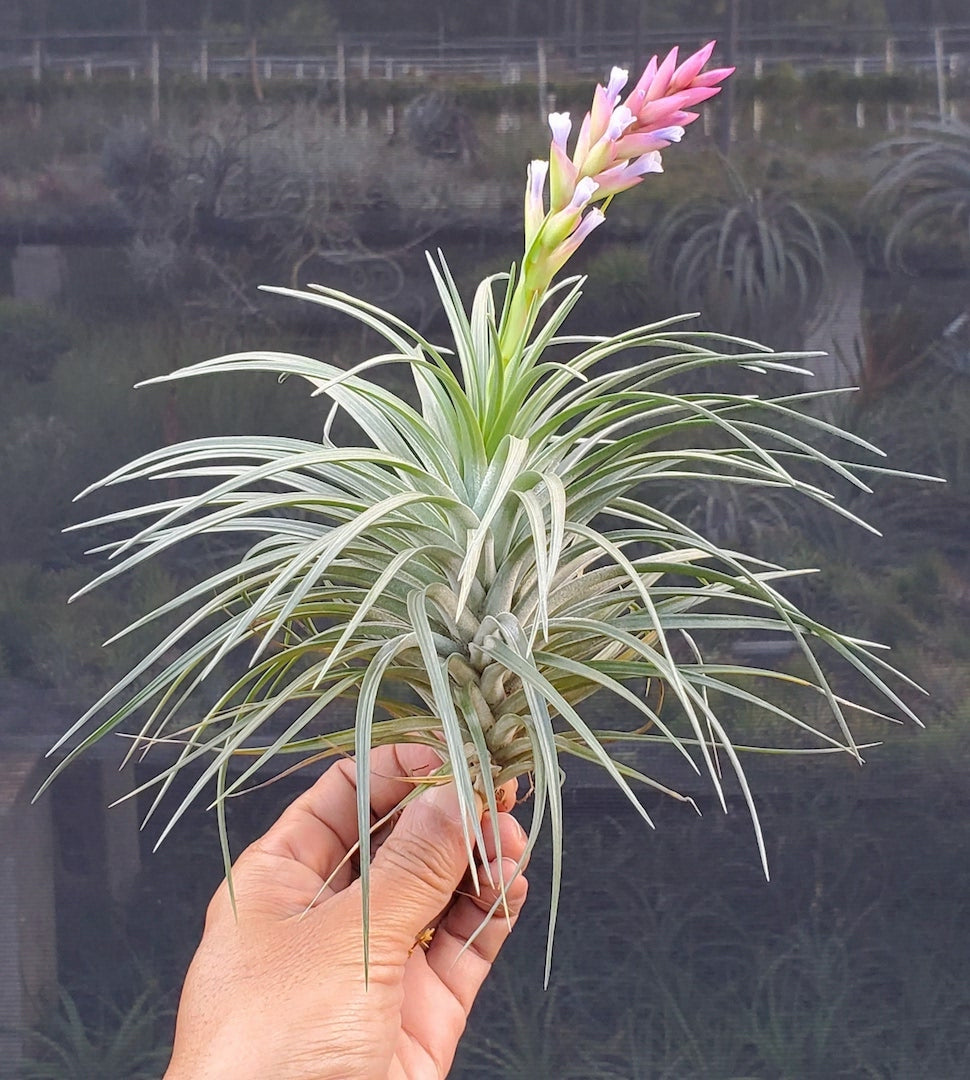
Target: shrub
32, 337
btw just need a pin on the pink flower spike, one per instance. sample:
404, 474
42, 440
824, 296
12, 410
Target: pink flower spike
714, 76
661, 81
598, 116
561, 126
690, 68
637, 96
583, 141
658, 113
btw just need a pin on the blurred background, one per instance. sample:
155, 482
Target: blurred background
159, 159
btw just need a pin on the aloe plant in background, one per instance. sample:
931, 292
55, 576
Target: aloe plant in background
484, 561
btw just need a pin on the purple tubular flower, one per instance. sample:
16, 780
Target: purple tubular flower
618, 79
561, 224
583, 193
535, 210
561, 125
560, 254
632, 145
624, 176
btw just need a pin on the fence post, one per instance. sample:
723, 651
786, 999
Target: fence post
254, 69
341, 85
728, 99
155, 74
37, 61
204, 62
757, 105
365, 62
890, 70
858, 69
940, 72
542, 78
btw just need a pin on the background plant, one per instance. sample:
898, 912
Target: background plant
130, 1041
754, 262
919, 204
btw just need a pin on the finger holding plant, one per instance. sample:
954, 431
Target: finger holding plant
485, 561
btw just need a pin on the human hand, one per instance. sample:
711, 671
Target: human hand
277, 992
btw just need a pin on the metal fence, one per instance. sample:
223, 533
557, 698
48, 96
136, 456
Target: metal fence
505, 60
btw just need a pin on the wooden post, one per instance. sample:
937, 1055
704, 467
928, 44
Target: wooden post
728, 98
37, 61
254, 69
940, 73
300, 74
341, 85
365, 62
890, 69
88, 69
204, 62
388, 68
859, 69
155, 74
757, 105
28, 916
542, 79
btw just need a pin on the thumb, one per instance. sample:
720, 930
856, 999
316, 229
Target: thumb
418, 867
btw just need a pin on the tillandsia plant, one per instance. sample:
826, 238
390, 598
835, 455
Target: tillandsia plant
484, 562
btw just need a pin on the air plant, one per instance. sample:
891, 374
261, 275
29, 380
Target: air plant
921, 198
755, 262
485, 561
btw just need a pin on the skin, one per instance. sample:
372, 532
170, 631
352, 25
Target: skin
278, 990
